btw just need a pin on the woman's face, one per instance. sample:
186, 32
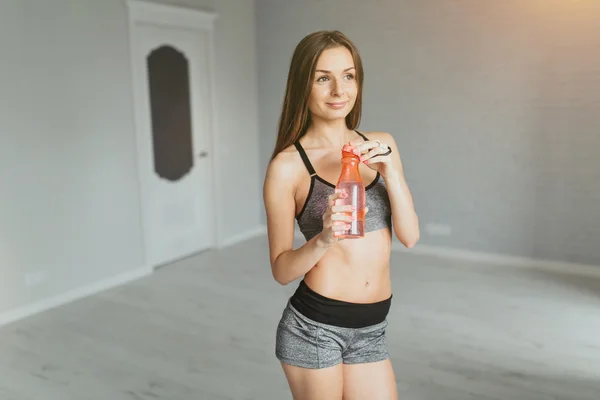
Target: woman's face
334, 87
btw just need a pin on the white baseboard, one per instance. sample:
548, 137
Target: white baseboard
493, 259
75, 294
260, 230
502, 260
104, 284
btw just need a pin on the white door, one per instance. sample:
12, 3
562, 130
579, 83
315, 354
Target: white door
173, 115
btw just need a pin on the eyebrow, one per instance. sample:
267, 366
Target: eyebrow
328, 72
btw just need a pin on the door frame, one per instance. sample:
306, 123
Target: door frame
140, 11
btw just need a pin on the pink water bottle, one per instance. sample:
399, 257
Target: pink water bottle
351, 182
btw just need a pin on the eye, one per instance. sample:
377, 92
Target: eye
322, 79
349, 77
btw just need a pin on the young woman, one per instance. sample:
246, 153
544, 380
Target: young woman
331, 336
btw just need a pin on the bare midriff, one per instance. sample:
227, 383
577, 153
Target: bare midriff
355, 270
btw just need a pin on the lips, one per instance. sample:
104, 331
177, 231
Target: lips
337, 105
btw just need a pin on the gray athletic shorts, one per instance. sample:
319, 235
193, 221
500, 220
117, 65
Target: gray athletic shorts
309, 344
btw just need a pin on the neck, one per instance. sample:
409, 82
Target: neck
332, 133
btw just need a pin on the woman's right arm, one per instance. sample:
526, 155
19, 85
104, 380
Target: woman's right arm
288, 264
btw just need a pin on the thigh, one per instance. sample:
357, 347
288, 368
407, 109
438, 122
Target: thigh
301, 342
368, 345
315, 384
373, 381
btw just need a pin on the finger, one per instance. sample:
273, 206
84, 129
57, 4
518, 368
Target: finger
374, 152
338, 223
356, 144
338, 194
340, 227
342, 217
364, 146
342, 208
378, 159
368, 155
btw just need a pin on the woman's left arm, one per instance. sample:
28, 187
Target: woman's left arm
404, 217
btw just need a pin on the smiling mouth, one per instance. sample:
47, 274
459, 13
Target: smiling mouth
337, 105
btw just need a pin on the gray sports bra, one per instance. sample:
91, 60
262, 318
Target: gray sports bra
310, 218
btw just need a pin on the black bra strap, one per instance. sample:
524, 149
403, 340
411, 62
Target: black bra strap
363, 136
307, 163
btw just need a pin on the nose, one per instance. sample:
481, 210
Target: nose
337, 89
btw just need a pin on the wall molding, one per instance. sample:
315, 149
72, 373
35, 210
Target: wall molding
81, 292
490, 259
498, 260
493, 259
86, 290
260, 230
170, 15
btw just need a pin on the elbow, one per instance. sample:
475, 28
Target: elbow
408, 233
277, 276
409, 241
281, 280
280, 268
410, 244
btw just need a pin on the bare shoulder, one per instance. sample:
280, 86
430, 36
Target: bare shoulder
284, 170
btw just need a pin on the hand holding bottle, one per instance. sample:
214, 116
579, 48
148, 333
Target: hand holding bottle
336, 219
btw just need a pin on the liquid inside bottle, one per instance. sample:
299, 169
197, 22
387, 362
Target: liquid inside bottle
351, 182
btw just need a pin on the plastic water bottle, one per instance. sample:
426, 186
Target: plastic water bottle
351, 182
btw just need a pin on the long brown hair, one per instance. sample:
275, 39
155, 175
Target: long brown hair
295, 116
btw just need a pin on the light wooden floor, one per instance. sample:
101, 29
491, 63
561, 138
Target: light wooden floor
204, 328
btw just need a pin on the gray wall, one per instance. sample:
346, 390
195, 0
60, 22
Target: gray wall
493, 104
70, 204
